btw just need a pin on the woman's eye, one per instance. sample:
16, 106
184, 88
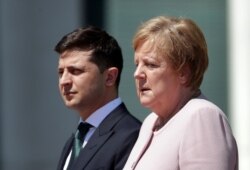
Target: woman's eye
151, 65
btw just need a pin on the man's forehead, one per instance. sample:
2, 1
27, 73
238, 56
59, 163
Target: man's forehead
75, 52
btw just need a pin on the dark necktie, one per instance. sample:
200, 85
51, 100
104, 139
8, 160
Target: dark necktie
83, 128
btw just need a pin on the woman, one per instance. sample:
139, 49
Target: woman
184, 130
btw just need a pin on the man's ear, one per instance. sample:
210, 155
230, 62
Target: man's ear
111, 77
184, 75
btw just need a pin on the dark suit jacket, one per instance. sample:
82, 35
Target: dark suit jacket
109, 146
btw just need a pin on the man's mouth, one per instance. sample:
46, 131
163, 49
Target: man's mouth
66, 93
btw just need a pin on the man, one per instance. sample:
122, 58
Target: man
89, 68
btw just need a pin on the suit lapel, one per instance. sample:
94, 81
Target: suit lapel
65, 152
100, 136
90, 150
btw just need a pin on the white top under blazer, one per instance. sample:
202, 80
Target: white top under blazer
198, 137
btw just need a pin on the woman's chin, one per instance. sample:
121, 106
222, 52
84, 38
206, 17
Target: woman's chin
146, 103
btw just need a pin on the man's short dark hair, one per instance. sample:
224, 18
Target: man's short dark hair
106, 51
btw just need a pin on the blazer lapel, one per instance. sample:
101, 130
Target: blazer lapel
142, 145
142, 149
100, 136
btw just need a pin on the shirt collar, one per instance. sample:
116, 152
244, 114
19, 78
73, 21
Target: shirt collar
100, 114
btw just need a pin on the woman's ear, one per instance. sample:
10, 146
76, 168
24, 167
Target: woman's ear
112, 74
184, 75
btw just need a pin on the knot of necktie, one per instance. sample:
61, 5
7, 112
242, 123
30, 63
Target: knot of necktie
83, 129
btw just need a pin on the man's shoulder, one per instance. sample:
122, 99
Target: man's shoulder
127, 117
129, 120
122, 114
120, 119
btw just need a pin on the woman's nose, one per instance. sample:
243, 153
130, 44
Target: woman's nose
139, 73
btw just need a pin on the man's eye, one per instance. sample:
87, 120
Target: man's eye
60, 73
76, 71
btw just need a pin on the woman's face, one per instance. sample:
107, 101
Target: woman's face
157, 84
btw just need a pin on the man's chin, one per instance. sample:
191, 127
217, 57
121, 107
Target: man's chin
69, 104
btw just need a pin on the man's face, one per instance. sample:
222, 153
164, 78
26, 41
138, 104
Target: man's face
81, 84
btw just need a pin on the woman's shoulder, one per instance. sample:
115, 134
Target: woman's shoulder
202, 107
202, 103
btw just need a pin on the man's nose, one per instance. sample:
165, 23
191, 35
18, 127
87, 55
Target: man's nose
65, 78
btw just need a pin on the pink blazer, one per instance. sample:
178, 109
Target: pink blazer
198, 137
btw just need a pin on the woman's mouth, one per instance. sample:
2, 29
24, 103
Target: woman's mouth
144, 89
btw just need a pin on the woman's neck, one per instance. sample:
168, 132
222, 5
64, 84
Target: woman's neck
161, 121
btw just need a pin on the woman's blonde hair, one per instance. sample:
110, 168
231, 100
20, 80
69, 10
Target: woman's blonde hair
180, 41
